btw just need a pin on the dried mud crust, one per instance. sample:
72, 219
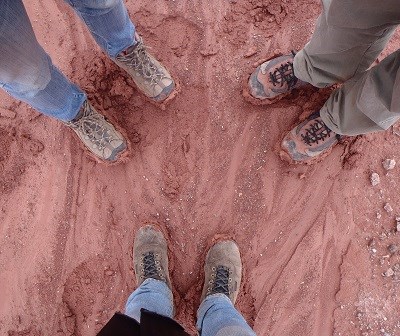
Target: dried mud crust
163, 104
286, 157
266, 15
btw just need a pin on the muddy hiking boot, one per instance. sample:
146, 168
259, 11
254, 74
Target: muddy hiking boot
150, 256
309, 139
223, 270
97, 134
151, 77
274, 78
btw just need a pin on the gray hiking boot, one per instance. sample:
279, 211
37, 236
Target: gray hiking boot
151, 77
274, 78
150, 256
97, 134
309, 140
223, 270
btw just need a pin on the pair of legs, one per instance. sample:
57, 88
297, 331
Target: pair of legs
216, 315
348, 38
28, 74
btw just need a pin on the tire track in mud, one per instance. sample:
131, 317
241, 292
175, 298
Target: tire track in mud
282, 295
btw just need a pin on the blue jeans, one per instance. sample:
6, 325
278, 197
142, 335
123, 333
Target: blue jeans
216, 315
26, 70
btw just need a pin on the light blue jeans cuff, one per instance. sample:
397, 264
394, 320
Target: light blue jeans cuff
217, 316
153, 295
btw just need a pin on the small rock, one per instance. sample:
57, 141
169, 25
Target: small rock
389, 164
87, 281
375, 179
388, 207
398, 224
392, 248
109, 272
388, 273
378, 215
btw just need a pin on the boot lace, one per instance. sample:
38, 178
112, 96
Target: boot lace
92, 126
138, 58
150, 267
284, 74
220, 281
317, 132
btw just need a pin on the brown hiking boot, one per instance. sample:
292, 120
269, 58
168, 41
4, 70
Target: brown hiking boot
274, 78
309, 139
97, 134
151, 77
223, 270
150, 256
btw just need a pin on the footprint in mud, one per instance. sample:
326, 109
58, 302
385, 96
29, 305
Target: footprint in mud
243, 16
12, 163
181, 34
31, 145
88, 291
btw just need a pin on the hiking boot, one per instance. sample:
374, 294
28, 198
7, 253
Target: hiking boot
149, 75
274, 78
309, 139
150, 256
97, 134
223, 270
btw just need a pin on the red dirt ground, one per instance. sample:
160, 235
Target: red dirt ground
314, 239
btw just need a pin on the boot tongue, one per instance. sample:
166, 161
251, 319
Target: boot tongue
129, 50
80, 114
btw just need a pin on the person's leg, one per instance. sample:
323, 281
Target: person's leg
153, 295
366, 104
26, 71
347, 39
150, 261
218, 317
27, 74
343, 44
109, 23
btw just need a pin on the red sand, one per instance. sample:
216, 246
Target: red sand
313, 248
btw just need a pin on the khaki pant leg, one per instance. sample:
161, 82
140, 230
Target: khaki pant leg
342, 48
368, 103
